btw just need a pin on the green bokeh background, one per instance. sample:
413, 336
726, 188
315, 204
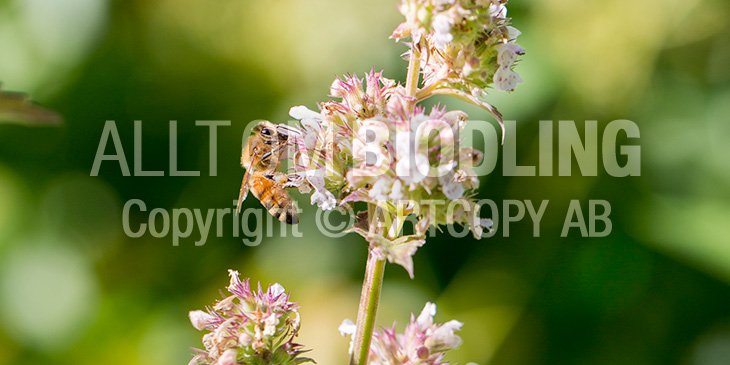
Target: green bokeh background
75, 290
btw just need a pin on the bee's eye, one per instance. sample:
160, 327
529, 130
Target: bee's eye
266, 132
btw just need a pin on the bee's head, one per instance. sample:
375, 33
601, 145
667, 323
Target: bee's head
265, 129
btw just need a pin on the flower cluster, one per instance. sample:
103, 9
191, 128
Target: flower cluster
249, 327
462, 44
368, 147
423, 341
373, 144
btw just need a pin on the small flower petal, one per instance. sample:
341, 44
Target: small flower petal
301, 112
324, 199
347, 327
200, 320
426, 317
229, 357
506, 80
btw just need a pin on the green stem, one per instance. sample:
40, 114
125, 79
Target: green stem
426, 92
414, 71
375, 268
369, 299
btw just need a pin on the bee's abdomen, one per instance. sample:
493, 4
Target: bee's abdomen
285, 213
276, 200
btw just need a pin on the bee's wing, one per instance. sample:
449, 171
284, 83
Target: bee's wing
244, 188
287, 131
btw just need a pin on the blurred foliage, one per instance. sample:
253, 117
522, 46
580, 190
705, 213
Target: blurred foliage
75, 290
15, 108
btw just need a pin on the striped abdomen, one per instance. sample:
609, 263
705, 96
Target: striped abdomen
274, 198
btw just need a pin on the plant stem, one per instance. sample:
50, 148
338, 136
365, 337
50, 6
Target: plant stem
414, 71
375, 268
369, 299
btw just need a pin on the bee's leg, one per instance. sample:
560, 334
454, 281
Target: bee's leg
287, 181
294, 180
278, 177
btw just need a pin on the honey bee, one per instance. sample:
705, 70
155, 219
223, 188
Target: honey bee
261, 159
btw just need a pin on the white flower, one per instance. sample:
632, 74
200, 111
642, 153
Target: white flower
422, 167
413, 172
315, 178
276, 290
270, 323
310, 139
444, 335
396, 191
301, 112
425, 319
200, 319
506, 80
258, 339
297, 321
324, 199
373, 127
442, 26
245, 339
229, 357
311, 122
497, 9
479, 224
417, 120
373, 155
451, 189
507, 53
404, 142
445, 133
380, 189
512, 32
358, 149
209, 340
447, 168
348, 327
225, 304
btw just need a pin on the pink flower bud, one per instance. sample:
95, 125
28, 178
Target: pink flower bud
200, 319
229, 357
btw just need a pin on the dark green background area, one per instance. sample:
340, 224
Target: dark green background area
74, 289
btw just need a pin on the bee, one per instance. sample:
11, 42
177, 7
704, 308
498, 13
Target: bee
261, 159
